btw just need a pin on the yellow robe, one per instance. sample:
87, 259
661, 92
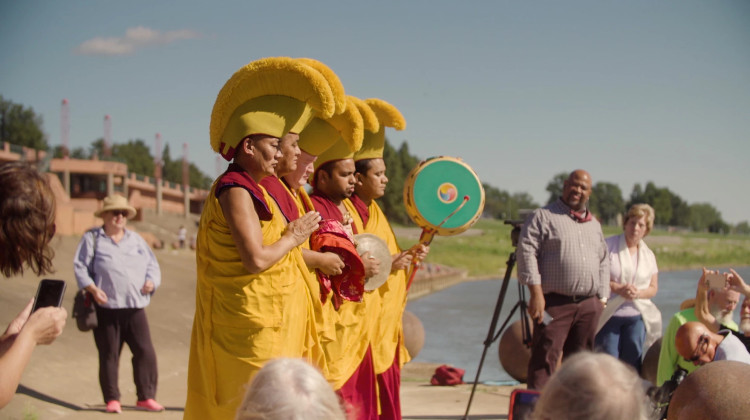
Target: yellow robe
242, 320
388, 330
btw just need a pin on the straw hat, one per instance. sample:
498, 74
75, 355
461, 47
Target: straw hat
116, 202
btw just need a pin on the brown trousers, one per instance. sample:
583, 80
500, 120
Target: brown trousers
572, 329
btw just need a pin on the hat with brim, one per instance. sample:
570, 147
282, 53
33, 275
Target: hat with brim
271, 96
116, 202
374, 140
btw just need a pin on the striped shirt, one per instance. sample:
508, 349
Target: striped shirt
563, 255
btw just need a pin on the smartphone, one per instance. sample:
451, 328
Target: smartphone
547, 318
49, 293
522, 403
716, 280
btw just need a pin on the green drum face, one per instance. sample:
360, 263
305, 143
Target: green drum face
437, 188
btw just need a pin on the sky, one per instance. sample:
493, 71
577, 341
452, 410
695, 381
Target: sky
632, 91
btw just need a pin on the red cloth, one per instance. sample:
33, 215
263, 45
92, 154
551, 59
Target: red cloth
359, 394
448, 375
362, 208
389, 384
278, 191
350, 284
582, 216
327, 209
235, 176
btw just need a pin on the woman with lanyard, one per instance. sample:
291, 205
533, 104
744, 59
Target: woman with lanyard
117, 267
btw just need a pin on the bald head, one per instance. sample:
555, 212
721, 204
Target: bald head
577, 189
695, 343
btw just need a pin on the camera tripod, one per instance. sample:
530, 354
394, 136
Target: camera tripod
521, 304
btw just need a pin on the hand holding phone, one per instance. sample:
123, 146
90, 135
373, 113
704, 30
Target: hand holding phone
49, 293
716, 280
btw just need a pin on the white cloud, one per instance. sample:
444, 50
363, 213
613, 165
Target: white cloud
134, 39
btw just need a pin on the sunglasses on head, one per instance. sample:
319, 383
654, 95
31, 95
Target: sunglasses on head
123, 213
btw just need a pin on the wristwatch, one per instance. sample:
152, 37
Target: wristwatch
603, 300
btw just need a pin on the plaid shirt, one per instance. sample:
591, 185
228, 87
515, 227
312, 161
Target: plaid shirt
563, 255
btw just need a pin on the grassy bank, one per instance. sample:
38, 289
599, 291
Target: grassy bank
484, 249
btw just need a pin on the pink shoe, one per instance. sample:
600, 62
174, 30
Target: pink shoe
149, 405
114, 407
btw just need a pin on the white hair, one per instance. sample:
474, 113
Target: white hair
593, 386
290, 389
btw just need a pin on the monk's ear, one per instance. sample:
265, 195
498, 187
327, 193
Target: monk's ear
358, 179
247, 146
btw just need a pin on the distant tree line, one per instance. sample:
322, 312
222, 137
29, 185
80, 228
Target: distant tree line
21, 126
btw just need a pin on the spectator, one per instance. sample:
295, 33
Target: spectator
703, 314
27, 224
631, 322
721, 303
592, 386
698, 345
563, 259
182, 236
286, 389
118, 268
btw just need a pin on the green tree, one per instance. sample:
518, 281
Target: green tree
520, 201
659, 198
705, 217
21, 126
742, 228
398, 163
606, 201
495, 202
136, 154
680, 212
555, 186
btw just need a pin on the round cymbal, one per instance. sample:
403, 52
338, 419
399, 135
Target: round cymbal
378, 249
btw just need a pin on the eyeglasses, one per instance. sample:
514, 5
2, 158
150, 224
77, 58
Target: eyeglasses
123, 213
702, 348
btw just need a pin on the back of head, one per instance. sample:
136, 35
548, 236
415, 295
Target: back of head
27, 219
290, 389
717, 390
592, 386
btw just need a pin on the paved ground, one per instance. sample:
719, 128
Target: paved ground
61, 379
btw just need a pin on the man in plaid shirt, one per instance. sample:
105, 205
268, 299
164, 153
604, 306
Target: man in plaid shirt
563, 259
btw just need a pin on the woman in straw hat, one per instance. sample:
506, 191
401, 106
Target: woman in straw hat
119, 270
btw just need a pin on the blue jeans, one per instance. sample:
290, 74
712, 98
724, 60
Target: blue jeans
623, 337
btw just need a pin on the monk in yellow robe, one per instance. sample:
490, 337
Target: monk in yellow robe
250, 296
389, 354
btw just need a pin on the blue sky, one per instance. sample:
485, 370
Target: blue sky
632, 91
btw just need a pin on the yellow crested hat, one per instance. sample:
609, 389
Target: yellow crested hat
337, 137
374, 141
337, 88
271, 96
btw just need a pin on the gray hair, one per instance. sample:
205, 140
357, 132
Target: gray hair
290, 389
594, 386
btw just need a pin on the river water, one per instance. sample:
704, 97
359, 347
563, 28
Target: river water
457, 320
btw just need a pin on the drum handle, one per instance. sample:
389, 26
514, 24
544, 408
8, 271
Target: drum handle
426, 238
